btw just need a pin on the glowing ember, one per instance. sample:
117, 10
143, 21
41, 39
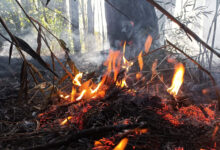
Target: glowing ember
77, 78
122, 145
65, 120
140, 131
214, 132
148, 43
177, 79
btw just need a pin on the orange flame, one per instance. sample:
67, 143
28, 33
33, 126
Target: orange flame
113, 63
77, 78
140, 61
148, 43
177, 79
99, 85
122, 83
81, 95
126, 64
122, 145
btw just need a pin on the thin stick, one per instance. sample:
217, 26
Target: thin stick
184, 27
203, 69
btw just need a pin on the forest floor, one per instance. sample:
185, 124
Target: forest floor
144, 114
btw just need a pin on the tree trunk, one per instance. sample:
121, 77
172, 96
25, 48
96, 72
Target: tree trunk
74, 15
90, 14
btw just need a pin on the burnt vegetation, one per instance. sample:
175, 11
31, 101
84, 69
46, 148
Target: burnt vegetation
141, 95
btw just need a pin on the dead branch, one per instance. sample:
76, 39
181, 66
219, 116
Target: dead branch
184, 27
200, 67
86, 133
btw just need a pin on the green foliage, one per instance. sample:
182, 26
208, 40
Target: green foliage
19, 24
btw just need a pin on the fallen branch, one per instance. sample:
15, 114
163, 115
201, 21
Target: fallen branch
200, 67
86, 133
184, 27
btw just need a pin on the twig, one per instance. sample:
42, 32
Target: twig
203, 69
184, 27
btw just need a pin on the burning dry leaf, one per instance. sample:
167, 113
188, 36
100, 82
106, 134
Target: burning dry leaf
140, 61
122, 144
148, 43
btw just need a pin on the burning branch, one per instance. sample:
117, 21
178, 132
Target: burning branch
184, 27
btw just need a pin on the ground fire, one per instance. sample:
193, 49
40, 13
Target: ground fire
142, 95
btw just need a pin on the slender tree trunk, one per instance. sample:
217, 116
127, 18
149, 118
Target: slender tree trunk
90, 15
74, 15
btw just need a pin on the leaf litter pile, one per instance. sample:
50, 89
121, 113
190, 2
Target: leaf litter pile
123, 104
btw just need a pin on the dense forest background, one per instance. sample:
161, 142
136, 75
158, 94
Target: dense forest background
82, 25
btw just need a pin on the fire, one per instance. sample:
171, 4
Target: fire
177, 79
140, 61
140, 131
148, 43
126, 64
113, 63
81, 95
122, 83
122, 144
65, 120
77, 78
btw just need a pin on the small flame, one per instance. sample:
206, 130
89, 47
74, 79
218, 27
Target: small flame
177, 79
138, 75
73, 93
122, 83
140, 61
77, 78
65, 120
81, 95
113, 63
99, 85
122, 145
126, 64
148, 43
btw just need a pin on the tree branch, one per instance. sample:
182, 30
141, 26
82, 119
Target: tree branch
184, 27
203, 69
